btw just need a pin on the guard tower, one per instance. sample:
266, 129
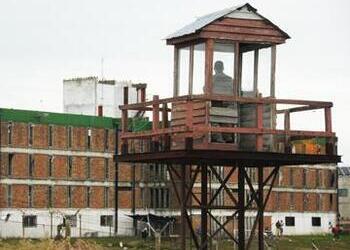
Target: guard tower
214, 120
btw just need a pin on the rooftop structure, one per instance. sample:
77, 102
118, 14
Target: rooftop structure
96, 97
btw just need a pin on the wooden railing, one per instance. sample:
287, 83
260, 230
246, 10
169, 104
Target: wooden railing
162, 129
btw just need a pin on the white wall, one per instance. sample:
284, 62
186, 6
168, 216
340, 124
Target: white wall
90, 223
79, 96
344, 202
303, 223
84, 95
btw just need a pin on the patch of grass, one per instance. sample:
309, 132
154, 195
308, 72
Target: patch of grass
323, 242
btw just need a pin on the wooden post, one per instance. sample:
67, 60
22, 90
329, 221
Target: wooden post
143, 94
165, 116
204, 207
190, 71
209, 54
125, 121
273, 72
165, 124
256, 71
183, 207
259, 125
328, 127
261, 207
241, 192
116, 180
155, 122
236, 70
328, 119
287, 146
155, 113
176, 71
125, 111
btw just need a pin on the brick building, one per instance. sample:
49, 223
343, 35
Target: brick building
56, 166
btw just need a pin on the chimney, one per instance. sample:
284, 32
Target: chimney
100, 110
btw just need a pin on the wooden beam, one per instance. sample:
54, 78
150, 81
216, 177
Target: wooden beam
176, 71
256, 71
273, 72
209, 53
190, 71
216, 97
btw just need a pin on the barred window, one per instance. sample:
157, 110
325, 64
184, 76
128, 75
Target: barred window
29, 221
106, 220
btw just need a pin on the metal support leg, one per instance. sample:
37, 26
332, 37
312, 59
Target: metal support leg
204, 212
261, 207
241, 191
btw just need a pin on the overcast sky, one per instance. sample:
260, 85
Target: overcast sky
43, 42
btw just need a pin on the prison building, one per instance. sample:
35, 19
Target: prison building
57, 166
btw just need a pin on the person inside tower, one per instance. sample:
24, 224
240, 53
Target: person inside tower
222, 85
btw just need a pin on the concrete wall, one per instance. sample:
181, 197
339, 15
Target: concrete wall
88, 222
79, 96
344, 201
303, 223
84, 95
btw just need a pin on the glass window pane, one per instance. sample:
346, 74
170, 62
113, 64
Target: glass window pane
183, 72
199, 68
264, 72
248, 72
223, 69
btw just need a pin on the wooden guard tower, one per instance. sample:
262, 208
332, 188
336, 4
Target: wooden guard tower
213, 120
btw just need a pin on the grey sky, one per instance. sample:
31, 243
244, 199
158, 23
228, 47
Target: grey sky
42, 42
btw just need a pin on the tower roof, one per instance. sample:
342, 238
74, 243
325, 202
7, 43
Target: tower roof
245, 11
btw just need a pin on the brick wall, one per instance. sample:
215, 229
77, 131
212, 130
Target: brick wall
40, 196
79, 168
79, 138
20, 196
20, 134
40, 136
60, 197
79, 197
40, 166
3, 131
59, 138
60, 167
98, 138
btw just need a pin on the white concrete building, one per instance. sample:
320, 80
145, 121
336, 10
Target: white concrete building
84, 96
344, 193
